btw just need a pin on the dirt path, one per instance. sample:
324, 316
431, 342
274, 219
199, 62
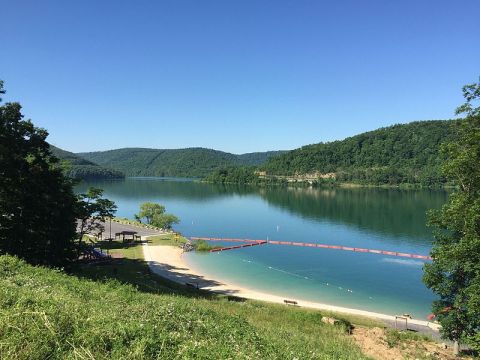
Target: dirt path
374, 342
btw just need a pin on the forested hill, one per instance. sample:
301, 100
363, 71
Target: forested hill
406, 153
79, 168
190, 162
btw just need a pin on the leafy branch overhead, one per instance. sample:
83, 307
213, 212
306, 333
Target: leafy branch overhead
37, 221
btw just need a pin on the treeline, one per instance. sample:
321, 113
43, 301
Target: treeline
395, 155
407, 153
76, 167
191, 162
91, 172
242, 175
233, 175
429, 176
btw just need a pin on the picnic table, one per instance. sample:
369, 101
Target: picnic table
123, 234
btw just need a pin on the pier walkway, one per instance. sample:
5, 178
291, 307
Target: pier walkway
249, 242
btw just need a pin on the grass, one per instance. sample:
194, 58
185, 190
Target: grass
167, 240
176, 240
122, 310
395, 337
129, 266
203, 246
46, 314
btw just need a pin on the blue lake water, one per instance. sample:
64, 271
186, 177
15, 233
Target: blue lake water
386, 219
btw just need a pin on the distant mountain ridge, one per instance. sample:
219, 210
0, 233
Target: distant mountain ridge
188, 162
398, 154
78, 168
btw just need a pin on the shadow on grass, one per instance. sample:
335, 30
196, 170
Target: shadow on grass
117, 245
199, 282
137, 273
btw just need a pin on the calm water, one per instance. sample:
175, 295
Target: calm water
371, 218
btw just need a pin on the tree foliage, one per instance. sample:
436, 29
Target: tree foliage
92, 210
150, 211
37, 219
155, 215
233, 175
78, 168
454, 273
191, 162
399, 154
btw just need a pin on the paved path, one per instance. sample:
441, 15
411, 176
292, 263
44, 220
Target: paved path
117, 227
431, 330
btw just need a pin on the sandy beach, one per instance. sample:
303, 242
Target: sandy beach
168, 262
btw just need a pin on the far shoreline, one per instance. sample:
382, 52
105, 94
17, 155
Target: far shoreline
169, 262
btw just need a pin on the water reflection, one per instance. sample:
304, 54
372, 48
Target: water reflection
395, 212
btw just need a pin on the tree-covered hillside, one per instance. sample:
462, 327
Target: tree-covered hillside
406, 153
190, 162
257, 158
79, 168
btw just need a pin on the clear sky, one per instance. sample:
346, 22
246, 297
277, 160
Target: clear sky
238, 76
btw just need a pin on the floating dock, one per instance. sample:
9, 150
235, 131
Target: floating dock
239, 246
250, 242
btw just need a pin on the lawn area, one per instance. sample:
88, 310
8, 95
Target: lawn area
122, 310
286, 328
48, 314
167, 239
129, 267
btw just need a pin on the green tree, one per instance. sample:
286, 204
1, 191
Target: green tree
150, 211
166, 221
155, 215
91, 211
37, 221
454, 273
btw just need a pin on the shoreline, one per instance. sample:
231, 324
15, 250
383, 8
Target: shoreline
169, 262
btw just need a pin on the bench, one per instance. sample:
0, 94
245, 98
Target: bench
402, 317
290, 302
123, 234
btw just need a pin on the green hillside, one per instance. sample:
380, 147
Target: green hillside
399, 154
46, 314
79, 168
257, 158
190, 162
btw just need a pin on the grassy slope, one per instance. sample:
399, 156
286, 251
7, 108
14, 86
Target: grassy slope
191, 162
47, 314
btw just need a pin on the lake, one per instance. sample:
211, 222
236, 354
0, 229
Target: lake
386, 219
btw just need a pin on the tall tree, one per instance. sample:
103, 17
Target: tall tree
454, 273
37, 220
92, 210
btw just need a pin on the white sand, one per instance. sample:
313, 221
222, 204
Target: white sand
168, 262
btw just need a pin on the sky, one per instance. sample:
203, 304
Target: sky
238, 76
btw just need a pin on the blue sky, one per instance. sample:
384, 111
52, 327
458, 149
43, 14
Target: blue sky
238, 76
